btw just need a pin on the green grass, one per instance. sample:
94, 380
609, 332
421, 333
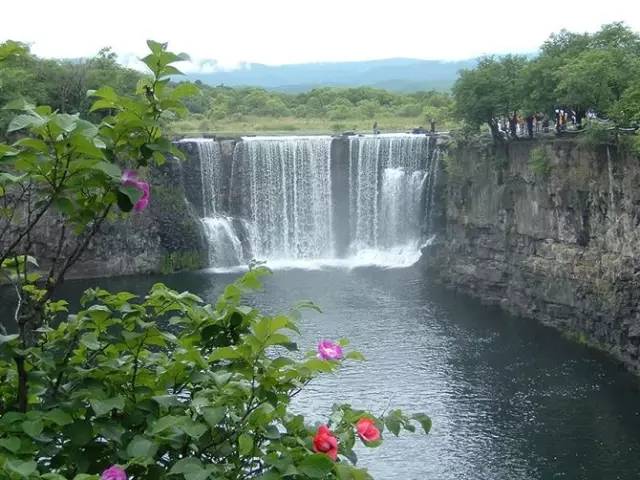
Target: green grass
254, 125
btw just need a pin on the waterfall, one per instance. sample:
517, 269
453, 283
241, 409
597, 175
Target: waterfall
225, 248
222, 232
388, 177
210, 174
287, 201
286, 195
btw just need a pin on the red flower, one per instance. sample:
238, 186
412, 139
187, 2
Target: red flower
325, 442
367, 430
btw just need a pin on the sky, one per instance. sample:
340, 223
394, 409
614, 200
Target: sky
275, 32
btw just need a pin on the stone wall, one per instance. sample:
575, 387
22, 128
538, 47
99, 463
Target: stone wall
557, 241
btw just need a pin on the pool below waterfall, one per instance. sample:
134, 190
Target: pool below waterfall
509, 399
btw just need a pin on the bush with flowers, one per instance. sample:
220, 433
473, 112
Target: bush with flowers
163, 386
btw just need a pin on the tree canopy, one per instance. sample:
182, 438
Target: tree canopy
598, 72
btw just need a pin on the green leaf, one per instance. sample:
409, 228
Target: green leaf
132, 192
184, 89
11, 443
245, 444
194, 429
21, 468
225, 353
316, 466
110, 169
20, 122
141, 447
33, 428
58, 417
19, 104
164, 423
90, 340
103, 407
423, 420
106, 92
355, 356
124, 202
213, 415
156, 47
167, 401
191, 468
64, 205
79, 432
392, 423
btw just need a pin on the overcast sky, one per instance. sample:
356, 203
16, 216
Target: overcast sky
297, 31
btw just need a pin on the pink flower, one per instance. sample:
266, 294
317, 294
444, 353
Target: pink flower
114, 473
367, 430
130, 179
325, 442
328, 350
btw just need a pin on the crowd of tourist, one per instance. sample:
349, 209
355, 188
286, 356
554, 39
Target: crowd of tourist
517, 125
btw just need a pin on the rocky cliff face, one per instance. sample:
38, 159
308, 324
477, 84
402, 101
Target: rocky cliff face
166, 237
548, 230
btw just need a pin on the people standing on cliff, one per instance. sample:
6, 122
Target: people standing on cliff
432, 124
375, 128
513, 125
539, 117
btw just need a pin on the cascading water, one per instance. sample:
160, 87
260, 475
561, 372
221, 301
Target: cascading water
210, 174
391, 179
278, 203
286, 195
225, 246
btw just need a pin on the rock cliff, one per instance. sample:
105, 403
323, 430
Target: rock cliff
548, 230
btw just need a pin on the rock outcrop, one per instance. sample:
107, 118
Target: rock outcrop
548, 230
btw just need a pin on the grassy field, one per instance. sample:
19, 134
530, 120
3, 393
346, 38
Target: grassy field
255, 125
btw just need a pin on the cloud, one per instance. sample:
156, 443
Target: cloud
195, 65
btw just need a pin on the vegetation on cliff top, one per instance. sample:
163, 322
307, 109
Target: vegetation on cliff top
597, 73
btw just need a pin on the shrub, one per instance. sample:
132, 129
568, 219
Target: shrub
168, 387
165, 386
539, 161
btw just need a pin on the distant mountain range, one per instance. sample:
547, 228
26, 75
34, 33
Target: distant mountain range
396, 74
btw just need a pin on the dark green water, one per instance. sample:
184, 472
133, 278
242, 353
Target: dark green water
509, 399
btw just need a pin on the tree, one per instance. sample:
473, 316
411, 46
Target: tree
596, 78
489, 91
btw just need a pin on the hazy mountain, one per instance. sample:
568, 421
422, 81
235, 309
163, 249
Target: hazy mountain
399, 74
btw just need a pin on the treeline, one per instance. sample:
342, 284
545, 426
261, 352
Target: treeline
63, 85
586, 73
330, 102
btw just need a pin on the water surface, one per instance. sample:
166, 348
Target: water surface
509, 399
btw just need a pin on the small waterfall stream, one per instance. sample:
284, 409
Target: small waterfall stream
225, 247
281, 206
387, 176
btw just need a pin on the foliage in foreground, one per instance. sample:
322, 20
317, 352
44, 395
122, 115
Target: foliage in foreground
158, 387
169, 387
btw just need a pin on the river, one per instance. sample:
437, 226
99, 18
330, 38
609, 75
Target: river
509, 398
